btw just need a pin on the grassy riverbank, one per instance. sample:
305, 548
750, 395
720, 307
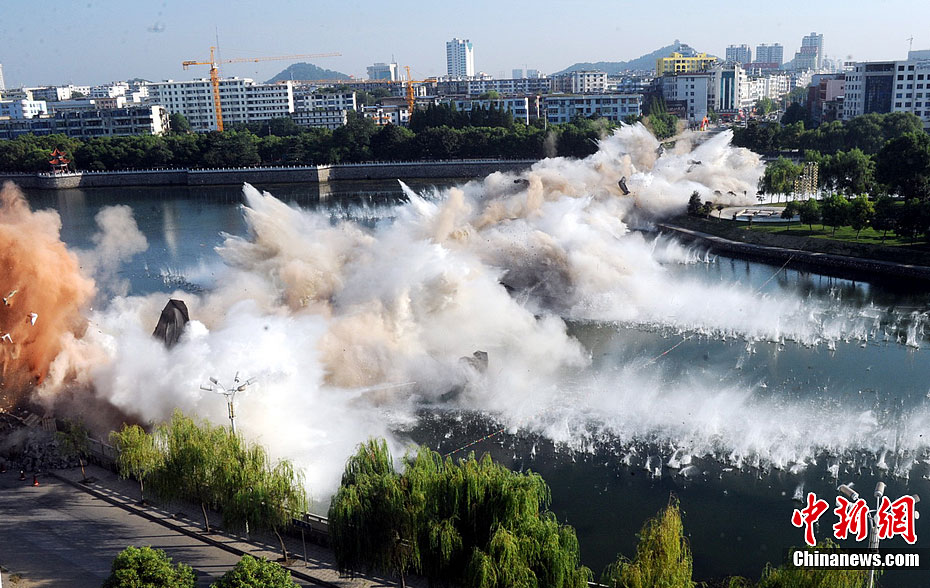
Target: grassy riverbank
819, 240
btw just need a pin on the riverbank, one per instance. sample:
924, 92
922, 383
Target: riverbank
462, 169
820, 254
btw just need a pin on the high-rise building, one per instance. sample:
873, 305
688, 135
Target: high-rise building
2, 85
739, 54
888, 86
770, 54
814, 43
383, 71
460, 58
517, 74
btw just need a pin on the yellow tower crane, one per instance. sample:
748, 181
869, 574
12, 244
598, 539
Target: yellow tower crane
215, 73
408, 84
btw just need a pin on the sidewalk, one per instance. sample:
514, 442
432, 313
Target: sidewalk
319, 568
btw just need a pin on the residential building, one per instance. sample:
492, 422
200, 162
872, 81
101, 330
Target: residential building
825, 97
888, 86
20, 109
679, 63
109, 90
460, 58
770, 54
517, 74
242, 100
51, 93
518, 107
739, 53
686, 95
384, 115
814, 41
561, 108
511, 87
317, 101
533, 73
136, 120
328, 118
383, 71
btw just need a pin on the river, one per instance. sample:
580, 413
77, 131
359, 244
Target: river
763, 421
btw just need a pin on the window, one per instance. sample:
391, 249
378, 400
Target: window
897, 105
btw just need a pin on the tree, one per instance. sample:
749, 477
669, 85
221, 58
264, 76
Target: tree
136, 456
74, 441
861, 213
694, 204
835, 211
911, 219
254, 572
903, 165
144, 567
850, 172
885, 216
796, 113
194, 464
765, 106
178, 123
809, 212
779, 177
789, 212
469, 522
663, 557
371, 523
791, 577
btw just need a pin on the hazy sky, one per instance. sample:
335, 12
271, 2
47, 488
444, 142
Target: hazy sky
96, 41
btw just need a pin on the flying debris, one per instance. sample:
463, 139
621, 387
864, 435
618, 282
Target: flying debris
6, 337
158, 27
32, 318
477, 360
9, 298
691, 165
171, 322
523, 181
622, 184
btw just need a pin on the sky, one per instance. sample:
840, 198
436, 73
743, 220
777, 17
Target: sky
88, 42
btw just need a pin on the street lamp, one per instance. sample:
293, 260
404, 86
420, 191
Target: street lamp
873, 520
230, 394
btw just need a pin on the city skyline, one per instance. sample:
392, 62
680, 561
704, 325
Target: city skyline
96, 42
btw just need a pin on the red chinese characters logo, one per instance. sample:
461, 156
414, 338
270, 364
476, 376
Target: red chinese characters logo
807, 516
892, 518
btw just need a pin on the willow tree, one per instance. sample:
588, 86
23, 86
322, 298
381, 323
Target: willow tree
259, 495
663, 557
371, 518
195, 463
791, 577
470, 522
74, 441
136, 456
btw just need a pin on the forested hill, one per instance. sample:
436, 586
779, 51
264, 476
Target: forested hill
642, 62
307, 71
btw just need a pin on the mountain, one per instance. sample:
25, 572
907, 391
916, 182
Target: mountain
644, 62
307, 71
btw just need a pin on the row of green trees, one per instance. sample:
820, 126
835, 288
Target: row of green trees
277, 142
144, 567
900, 167
473, 523
868, 133
207, 465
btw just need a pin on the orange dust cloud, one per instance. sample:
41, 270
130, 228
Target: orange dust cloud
43, 292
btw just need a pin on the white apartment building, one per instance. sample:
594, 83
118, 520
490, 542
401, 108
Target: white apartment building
137, 120
460, 58
241, 99
584, 82
385, 115
563, 108
109, 90
690, 89
338, 101
739, 53
729, 91
327, 118
518, 107
19, 109
770, 54
504, 87
888, 86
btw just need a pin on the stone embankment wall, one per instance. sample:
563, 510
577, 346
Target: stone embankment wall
464, 169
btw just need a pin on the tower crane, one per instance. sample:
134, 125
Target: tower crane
408, 85
215, 73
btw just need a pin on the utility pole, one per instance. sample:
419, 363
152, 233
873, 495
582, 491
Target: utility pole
230, 394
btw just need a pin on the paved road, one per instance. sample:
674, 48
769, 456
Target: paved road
56, 535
